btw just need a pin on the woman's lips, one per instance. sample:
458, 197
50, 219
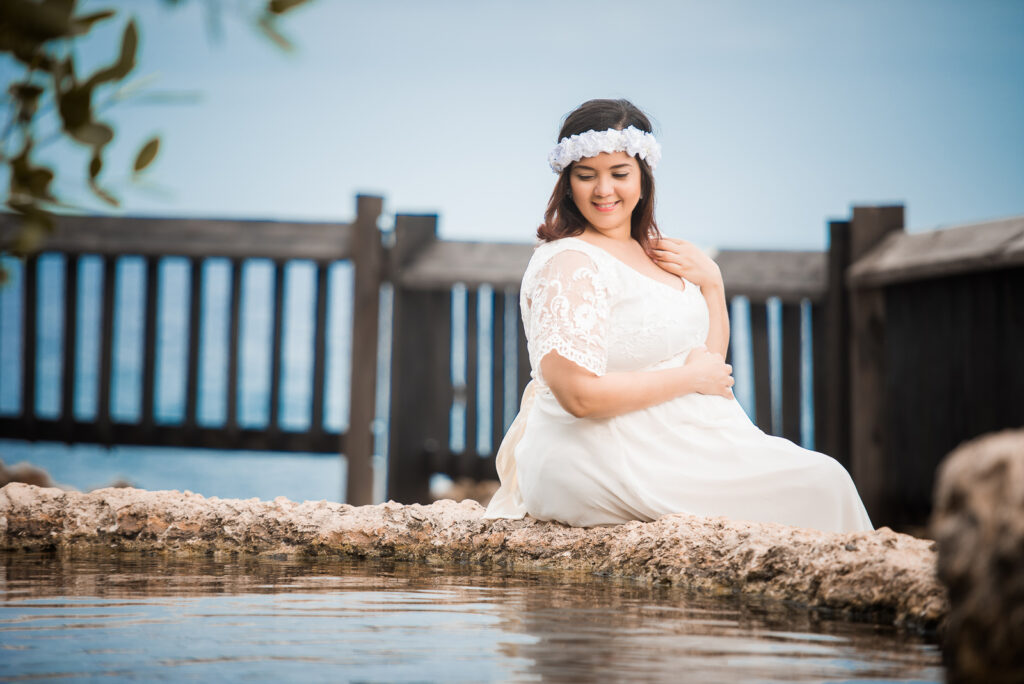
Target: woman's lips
606, 207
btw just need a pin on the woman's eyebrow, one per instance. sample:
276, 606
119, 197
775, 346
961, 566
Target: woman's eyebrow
591, 168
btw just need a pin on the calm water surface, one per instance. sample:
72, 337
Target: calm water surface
149, 618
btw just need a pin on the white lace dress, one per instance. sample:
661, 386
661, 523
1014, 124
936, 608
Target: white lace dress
695, 454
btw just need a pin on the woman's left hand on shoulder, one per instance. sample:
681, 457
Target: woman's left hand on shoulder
686, 260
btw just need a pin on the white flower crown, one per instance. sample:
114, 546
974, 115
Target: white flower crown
592, 143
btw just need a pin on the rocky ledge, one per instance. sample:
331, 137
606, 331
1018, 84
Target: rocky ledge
879, 575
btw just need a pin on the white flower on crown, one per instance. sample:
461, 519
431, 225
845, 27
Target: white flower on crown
592, 143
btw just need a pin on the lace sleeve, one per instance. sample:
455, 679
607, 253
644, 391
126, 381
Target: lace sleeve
567, 311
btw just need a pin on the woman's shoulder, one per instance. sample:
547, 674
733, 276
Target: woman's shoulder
567, 255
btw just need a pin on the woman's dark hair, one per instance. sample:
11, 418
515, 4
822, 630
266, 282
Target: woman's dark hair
562, 218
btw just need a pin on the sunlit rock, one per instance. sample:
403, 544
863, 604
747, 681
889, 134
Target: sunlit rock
877, 575
978, 523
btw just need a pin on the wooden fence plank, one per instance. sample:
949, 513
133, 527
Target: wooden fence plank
472, 392
67, 394
497, 368
522, 355
834, 401
820, 380
277, 328
762, 371
791, 371
235, 305
319, 348
29, 340
149, 341
106, 368
195, 304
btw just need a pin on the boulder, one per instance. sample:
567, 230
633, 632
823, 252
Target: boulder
978, 524
880, 575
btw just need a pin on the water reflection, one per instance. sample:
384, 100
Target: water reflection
137, 616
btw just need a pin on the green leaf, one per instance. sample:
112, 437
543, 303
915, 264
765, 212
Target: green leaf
103, 194
94, 134
282, 6
125, 61
147, 154
83, 24
267, 26
75, 107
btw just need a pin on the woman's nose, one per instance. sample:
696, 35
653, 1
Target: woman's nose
603, 187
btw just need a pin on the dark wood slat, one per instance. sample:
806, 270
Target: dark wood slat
149, 341
29, 339
195, 317
497, 369
106, 370
70, 347
275, 347
472, 363
834, 401
235, 303
791, 371
762, 372
365, 326
319, 348
179, 436
522, 355
820, 378
728, 349
421, 391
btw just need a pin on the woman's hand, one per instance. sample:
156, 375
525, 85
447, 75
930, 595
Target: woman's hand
685, 260
710, 374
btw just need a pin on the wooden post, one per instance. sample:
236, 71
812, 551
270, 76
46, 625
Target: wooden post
832, 385
367, 260
421, 388
870, 225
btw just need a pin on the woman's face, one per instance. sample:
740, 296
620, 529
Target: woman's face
606, 189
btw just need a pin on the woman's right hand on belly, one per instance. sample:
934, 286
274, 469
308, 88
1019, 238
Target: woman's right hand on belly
709, 373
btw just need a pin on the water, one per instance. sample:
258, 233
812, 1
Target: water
154, 618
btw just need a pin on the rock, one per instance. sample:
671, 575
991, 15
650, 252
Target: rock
24, 472
978, 524
879, 575
468, 488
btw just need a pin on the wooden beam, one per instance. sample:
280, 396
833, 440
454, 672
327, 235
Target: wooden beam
904, 257
239, 239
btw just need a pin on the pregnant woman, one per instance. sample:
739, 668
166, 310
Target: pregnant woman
630, 413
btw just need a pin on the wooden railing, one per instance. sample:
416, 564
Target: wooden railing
152, 239
871, 386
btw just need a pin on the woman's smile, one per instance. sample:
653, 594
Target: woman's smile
606, 189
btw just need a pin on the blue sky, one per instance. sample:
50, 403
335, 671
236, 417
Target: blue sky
773, 116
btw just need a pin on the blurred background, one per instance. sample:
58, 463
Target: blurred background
773, 117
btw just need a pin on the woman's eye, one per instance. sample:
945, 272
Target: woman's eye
584, 178
620, 175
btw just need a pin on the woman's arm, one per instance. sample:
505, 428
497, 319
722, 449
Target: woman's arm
685, 260
587, 395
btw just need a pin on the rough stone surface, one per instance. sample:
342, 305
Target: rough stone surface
878, 575
978, 523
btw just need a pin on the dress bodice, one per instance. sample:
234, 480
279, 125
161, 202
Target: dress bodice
604, 315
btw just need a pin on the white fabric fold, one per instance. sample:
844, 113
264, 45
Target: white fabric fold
507, 502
